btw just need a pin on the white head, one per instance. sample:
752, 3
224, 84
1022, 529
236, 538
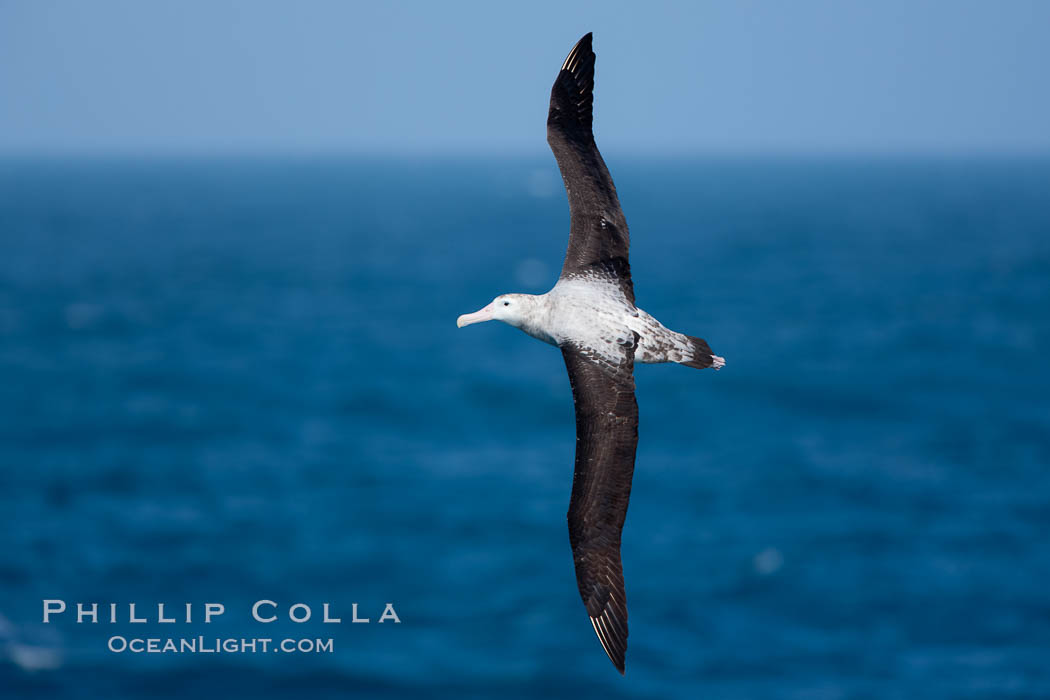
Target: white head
512, 309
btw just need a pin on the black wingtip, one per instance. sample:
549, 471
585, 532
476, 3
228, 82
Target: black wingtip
580, 52
584, 43
612, 633
572, 97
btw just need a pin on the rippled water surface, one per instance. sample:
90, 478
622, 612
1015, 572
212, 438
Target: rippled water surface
226, 381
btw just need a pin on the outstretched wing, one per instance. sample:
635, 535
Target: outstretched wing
606, 438
598, 233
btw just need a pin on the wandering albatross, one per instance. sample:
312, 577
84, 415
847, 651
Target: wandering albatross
590, 315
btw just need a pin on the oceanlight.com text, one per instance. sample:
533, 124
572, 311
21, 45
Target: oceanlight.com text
218, 645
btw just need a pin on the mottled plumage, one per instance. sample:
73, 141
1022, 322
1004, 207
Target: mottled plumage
591, 315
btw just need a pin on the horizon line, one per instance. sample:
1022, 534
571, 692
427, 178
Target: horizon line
520, 154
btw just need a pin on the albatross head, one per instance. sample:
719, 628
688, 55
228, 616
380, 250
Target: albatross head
512, 309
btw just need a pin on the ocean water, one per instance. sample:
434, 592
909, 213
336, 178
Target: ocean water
236, 380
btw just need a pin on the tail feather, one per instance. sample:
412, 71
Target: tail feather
702, 355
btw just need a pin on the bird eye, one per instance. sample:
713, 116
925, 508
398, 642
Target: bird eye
506, 303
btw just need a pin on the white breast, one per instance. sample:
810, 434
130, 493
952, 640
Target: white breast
590, 313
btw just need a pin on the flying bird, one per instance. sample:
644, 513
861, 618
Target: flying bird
590, 314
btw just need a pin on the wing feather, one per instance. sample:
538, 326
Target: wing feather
598, 232
606, 439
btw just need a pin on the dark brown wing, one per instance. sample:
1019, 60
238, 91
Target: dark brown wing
598, 233
606, 438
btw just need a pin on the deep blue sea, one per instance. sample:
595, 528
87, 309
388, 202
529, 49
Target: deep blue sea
239, 380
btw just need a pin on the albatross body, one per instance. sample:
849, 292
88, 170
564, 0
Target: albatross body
590, 314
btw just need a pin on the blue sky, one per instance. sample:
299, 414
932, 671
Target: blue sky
474, 77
